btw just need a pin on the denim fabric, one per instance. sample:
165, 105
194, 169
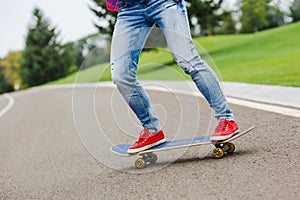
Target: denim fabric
134, 22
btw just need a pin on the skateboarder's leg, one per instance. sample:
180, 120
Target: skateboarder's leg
174, 23
128, 40
131, 31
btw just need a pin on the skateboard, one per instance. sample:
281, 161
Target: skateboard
148, 157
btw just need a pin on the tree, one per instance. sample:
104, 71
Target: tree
89, 51
295, 10
254, 15
204, 13
44, 58
5, 86
105, 18
227, 25
77, 49
11, 68
261, 14
275, 16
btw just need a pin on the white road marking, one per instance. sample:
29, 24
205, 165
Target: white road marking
260, 106
266, 107
11, 102
245, 103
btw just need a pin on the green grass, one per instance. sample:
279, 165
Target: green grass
268, 57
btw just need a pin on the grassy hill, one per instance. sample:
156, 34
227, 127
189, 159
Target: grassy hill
268, 57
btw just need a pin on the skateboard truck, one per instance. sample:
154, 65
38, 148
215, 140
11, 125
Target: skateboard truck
146, 159
221, 148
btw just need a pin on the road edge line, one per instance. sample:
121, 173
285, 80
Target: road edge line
11, 102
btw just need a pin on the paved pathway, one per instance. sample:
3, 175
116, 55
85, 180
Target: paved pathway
278, 95
54, 144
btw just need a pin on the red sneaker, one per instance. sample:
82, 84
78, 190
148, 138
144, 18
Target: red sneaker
224, 130
146, 141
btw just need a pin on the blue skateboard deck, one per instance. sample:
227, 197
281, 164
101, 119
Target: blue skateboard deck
121, 149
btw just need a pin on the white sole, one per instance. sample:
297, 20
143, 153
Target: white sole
133, 151
222, 138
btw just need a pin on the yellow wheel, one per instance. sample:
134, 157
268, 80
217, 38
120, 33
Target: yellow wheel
140, 163
218, 153
231, 147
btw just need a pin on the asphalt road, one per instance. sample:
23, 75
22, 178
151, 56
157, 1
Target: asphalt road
54, 144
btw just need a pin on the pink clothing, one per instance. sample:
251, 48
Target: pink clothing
112, 5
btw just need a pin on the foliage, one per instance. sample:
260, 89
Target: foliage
227, 25
5, 86
260, 15
91, 50
11, 68
295, 10
44, 58
203, 13
254, 15
105, 18
275, 16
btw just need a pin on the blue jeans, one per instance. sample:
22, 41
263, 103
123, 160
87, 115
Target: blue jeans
134, 22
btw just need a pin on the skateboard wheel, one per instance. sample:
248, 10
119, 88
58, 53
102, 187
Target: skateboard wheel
218, 153
154, 158
231, 147
140, 163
